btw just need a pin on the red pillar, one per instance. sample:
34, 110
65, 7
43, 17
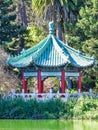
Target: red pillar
39, 81
65, 85
63, 81
24, 83
41, 86
26, 88
80, 81
23, 80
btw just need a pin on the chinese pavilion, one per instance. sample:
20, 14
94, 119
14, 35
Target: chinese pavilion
51, 57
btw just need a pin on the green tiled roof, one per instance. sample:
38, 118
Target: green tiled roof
51, 52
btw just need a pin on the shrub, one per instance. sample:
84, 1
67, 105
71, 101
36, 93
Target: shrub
18, 108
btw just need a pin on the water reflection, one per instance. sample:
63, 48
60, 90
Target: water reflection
48, 125
85, 125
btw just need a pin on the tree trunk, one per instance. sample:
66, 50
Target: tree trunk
59, 30
23, 14
65, 14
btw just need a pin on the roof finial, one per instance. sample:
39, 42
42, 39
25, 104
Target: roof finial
51, 27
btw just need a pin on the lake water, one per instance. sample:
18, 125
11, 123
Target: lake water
48, 125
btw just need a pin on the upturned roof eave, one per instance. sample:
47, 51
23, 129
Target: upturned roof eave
78, 66
25, 53
32, 55
78, 52
34, 63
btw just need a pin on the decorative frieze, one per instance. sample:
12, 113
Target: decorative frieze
51, 74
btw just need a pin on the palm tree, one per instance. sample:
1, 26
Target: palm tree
22, 16
59, 11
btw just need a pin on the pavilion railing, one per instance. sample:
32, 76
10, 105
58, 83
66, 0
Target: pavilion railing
41, 96
48, 96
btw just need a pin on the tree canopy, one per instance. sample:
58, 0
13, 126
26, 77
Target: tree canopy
11, 31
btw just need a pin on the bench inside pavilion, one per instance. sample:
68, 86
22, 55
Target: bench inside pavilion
51, 58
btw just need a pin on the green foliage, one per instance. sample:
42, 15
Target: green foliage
60, 11
88, 24
68, 111
34, 36
44, 5
11, 32
7, 26
86, 109
84, 36
18, 108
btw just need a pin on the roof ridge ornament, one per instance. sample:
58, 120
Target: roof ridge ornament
51, 27
23, 50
